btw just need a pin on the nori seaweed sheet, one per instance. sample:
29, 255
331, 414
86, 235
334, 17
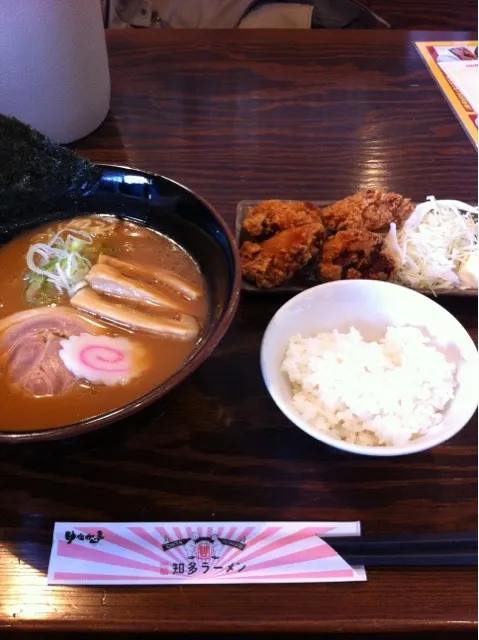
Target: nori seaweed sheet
36, 172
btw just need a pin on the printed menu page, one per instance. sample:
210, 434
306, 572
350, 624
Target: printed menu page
454, 66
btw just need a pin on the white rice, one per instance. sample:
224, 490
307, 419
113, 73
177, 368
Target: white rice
370, 393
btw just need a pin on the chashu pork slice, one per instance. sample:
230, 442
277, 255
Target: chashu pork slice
59, 320
108, 280
185, 326
152, 274
29, 348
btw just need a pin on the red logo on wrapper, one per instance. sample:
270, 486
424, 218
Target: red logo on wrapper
203, 552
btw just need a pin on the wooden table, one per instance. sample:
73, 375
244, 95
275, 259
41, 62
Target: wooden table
426, 14
240, 115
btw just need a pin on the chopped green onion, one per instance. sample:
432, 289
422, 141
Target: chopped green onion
59, 262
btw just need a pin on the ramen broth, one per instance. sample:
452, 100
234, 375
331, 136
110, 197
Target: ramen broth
130, 242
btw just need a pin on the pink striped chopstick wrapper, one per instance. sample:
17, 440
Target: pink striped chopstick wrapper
199, 553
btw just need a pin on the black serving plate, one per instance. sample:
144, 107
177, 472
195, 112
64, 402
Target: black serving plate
307, 277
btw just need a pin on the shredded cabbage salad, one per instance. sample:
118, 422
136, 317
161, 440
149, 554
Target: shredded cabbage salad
437, 246
58, 262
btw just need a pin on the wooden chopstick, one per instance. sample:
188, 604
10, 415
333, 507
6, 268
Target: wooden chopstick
441, 549
450, 559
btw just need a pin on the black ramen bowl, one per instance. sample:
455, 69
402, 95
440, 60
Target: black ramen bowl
176, 212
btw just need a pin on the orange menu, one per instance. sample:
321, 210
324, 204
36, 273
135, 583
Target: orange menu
454, 66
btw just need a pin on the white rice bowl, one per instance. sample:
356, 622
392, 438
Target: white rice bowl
410, 393
370, 393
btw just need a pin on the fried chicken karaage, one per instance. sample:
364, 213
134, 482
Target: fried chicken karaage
354, 254
271, 216
370, 209
277, 259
